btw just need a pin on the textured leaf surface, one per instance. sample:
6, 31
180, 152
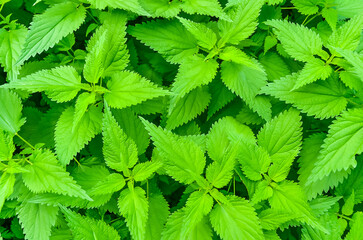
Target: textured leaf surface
237, 219
134, 207
45, 174
343, 142
128, 88
50, 27
61, 84
10, 111
7, 182
68, 144
298, 41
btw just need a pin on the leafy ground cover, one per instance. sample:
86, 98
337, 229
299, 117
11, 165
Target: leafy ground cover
181, 119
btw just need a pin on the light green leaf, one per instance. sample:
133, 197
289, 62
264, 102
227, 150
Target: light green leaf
170, 38
134, 207
204, 7
263, 192
130, 5
37, 220
143, 171
235, 55
348, 8
322, 99
347, 37
308, 158
51, 26
187, 108
11, 43
161, 8
281, 137
68, 144
183, 159
7, 181
46, 175
198, 205
337, 155
194, 71
307, 7
348, 206
10, 111
133, 127
331, 16
289, 197
246, 82
112, 183
88, 228
270, 42
356, 227
314, 70
120, 152
254, 160
61, 84
205, 36
237, 219
225, 132
158, 214
274, 66
356, 60
271, 219
7, 146
298, 41
244, 16
128, 88
82, 103
174, 225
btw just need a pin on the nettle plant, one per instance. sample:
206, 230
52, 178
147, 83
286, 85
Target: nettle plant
254, 109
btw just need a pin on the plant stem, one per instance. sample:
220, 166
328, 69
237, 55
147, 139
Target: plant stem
25, 141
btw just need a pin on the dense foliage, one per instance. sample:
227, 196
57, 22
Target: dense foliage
181, 119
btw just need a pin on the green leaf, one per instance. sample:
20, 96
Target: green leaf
331, 16
281, 137
219, 173
198, 205
307, 7
7, 181
61, 84
11, 43
254, 160
347, 37
298, 41
134, 207
348, 206
130, 5
133, 127
170, 38
128, 88
235, 55
87, 228
246, 82
223, 134
161, 8
194, 72
37, 220
68, 144
314, 70
337, 155
348, 8
274, 66
83, 101
187, 108
308, 158
270, 42
237, 219
204, 7
45, 174
289, 197
51, 26
174, 225
271, 219
184, 159
322, 99
263, 192
10, 111
356, 227
143, 171
7, 146
244, 16
205, 36
112, 183
158, 214
120, 152
356, 60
